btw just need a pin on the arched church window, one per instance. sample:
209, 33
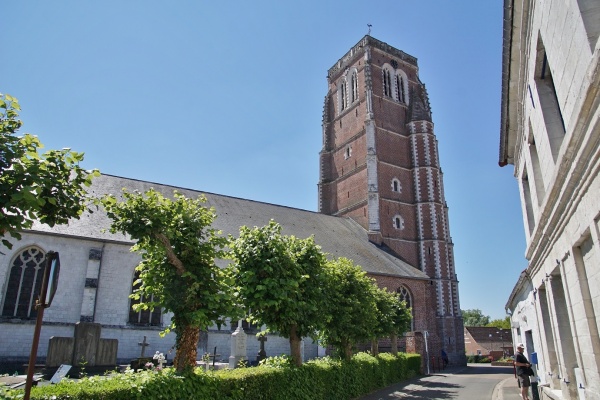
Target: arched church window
398, 222
342, 94
404, 295
24, 283
146, 317
347, 153
387, 83
400, 89
354, 84
396, 187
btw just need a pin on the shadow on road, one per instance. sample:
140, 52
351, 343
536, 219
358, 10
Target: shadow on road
474, 369
448, 384
433, 390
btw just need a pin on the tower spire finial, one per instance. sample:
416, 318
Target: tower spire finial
369, 33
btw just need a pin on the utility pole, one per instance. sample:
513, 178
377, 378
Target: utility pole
47, 291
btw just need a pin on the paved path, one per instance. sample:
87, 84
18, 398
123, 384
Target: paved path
473, 382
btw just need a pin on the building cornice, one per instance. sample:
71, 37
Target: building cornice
357, 50
506, 51
516, 42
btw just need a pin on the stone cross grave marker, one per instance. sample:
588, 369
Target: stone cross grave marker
160, 359
262, 354
144, 344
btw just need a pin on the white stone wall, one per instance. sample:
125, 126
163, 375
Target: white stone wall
112, 305
556, 304
17, 338
569, 57
274, 346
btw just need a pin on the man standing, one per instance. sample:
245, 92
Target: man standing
444, 358
523, 367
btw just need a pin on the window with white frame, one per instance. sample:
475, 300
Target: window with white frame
348, 152
387, 82
148, 317
24, 283
342, 94
548, 98
398, 222
396, 187
404, 295
540, 190
401, 83
526, 188
354, 85
400, 88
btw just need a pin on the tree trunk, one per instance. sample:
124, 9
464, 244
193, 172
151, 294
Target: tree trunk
187, 341
394, 340
374, 347
295, 346
347, 349
171, 256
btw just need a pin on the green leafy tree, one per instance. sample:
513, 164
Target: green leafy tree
500, 323
351, 308
178, 249
49, 187
393, 319
474, 317
279, 279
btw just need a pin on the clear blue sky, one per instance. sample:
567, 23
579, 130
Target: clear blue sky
227, 97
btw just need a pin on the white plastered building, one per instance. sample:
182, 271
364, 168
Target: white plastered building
550, 133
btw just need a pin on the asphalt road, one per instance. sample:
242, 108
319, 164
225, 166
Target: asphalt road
474, 382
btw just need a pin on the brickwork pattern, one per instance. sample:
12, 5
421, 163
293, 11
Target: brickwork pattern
404, 151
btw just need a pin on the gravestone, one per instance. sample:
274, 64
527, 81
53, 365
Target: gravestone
144, 344
107, 352
160, 359
262, 354
60, 351
86, 348
87, 337
238, 346
202, 347
60, 373
142, 360
321, 351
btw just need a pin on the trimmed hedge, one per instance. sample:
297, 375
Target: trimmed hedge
325, 378
478, 359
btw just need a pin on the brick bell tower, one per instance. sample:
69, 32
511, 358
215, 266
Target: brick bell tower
380, 167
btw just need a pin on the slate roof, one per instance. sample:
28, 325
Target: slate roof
481, 334
340, 237
419, 108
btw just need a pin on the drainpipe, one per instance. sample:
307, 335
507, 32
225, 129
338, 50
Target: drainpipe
98, 288
425, 334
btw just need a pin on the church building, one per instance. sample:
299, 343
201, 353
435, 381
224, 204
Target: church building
381, 204
380, 167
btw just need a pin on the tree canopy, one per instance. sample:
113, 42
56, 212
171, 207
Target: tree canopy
178, 247
279, 281
351, 307
474, 317
393, 315
500, 323
48, 187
